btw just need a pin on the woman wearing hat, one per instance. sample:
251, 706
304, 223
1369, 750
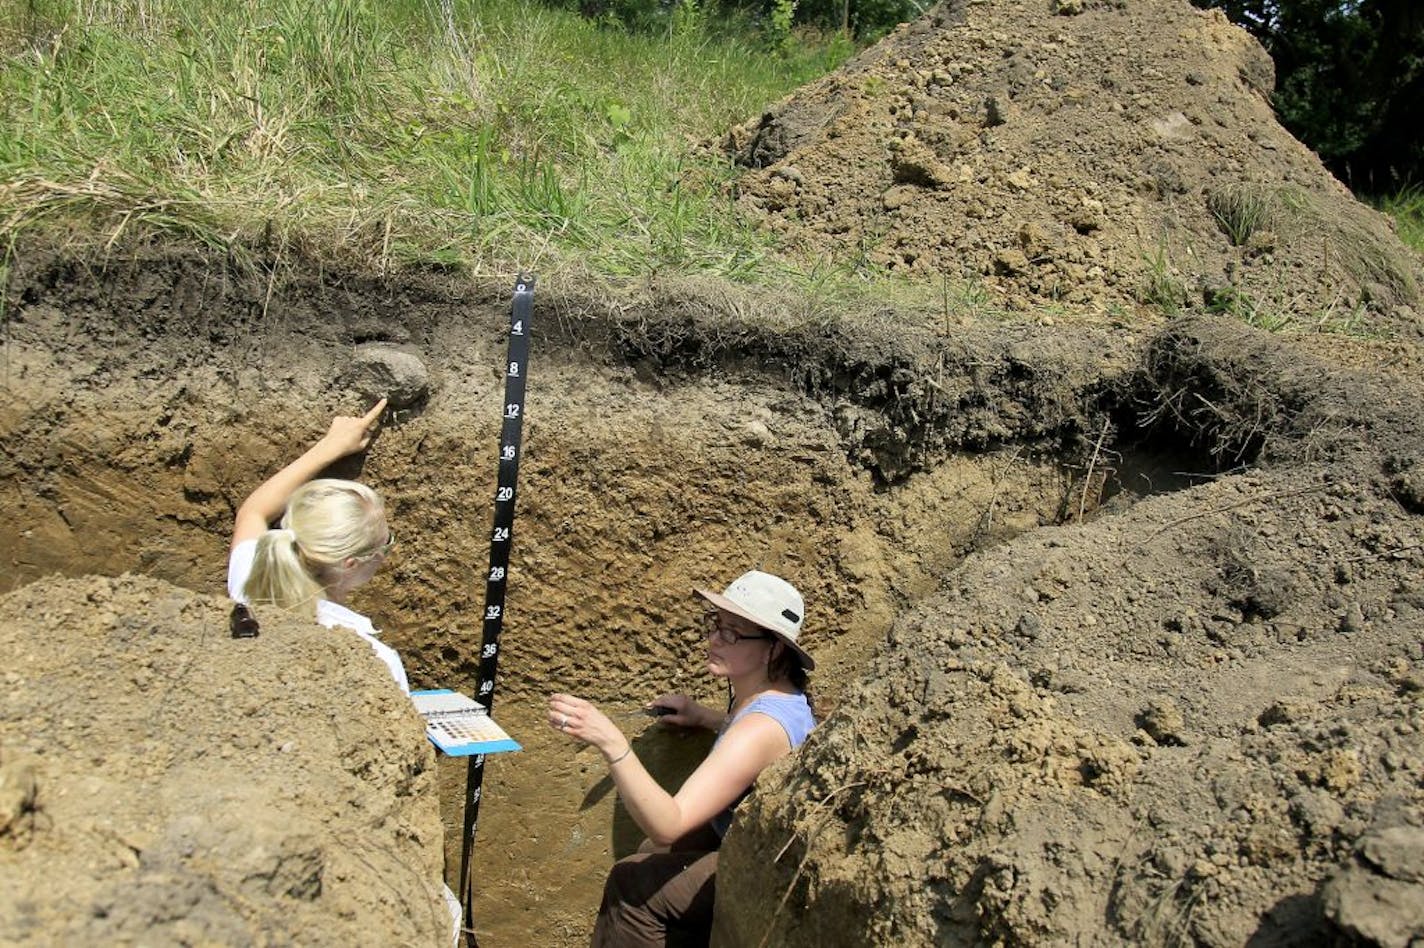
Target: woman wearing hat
752, 629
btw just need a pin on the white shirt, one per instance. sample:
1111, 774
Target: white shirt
329, 614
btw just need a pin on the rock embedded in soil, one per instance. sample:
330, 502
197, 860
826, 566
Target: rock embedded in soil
1379, 898
380, 369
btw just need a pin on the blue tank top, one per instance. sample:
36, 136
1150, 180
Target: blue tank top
791, 712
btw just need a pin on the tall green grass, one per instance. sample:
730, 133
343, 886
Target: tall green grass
484, 134
1407, 209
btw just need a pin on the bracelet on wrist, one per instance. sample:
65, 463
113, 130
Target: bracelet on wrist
625, 753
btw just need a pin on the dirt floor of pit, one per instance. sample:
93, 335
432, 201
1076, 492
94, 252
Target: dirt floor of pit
662, 450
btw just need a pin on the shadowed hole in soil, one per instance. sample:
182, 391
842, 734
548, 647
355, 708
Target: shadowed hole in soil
670, 445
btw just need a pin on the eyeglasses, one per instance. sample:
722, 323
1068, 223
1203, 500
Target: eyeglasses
242, 623
718, 625
383, 549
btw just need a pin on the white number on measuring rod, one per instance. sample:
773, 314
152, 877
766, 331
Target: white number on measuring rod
518, 327
514, 370
511, 410
500, 533
496, 574
506, 453
504, 493
486, 687
492, 612
489, 651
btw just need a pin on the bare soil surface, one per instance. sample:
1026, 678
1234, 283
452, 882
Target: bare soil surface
1119, 622
161, 783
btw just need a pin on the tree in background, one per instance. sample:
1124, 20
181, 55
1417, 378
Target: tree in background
1349, 82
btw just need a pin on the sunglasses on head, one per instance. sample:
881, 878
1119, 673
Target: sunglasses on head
382, 550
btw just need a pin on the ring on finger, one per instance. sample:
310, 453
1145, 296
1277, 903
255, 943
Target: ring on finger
563, 722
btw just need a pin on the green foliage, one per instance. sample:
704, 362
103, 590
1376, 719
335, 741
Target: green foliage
1406, 206
486, 135
1162, 286
867, 20
1241, 211
783, 14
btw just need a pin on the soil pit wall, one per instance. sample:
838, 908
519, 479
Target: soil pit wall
148, 398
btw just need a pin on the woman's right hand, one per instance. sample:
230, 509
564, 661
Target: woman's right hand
349, 434
684, 711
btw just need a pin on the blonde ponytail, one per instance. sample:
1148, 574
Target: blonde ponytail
327, 522
279, 577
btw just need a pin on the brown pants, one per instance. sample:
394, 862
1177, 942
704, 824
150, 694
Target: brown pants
660, 898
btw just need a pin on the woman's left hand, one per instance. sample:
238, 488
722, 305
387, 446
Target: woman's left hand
580, 719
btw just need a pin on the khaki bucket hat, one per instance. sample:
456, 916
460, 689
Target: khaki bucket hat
768, 601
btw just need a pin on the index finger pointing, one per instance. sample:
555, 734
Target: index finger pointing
375, 413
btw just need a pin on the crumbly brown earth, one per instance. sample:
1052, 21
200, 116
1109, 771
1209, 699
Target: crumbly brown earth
1075, 156
161, 783
1118, 620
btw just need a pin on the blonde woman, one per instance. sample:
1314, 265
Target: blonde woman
332, 538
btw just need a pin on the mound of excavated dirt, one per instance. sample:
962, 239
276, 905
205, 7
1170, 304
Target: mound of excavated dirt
1083, 154
1197, 722
164, 783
